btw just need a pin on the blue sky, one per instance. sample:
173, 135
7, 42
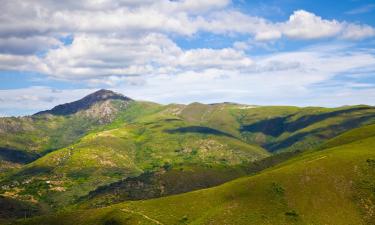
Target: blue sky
285, 52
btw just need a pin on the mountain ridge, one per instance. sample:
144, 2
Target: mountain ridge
105, 142
85, 103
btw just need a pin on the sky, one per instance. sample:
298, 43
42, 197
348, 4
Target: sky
269, 52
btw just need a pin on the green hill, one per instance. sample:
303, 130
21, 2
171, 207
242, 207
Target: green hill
331, 186
107, 148
103, 157
24, 139
276, 128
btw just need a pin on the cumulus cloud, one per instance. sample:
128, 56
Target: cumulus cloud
90, 56
28, 45
20, 62
134, 38
131, 38
305, 25
356, 32
185, 17
101, 57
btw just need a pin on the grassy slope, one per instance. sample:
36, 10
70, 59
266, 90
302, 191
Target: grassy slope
146, 141
351, 136
293, 128
147, 136
332, 186
23, 139
163, 182
276, 128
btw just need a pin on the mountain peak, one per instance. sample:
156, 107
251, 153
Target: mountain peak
85, 103
104, 94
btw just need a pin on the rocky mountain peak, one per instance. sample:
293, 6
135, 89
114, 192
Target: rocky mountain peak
85, 103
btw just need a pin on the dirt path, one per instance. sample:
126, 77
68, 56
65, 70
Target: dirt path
143, 215
313, 160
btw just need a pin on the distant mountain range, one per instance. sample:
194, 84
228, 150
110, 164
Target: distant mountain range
314, 165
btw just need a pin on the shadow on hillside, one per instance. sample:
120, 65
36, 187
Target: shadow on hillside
17, 156
334, 130
199, 130
276, 126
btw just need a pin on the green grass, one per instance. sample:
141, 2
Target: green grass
163, 182
351, 136
100, 158
40, 134
83, 151
332, 186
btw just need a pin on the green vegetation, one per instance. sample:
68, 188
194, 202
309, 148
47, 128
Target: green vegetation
333, 186
107, 156
107, 159
31, 137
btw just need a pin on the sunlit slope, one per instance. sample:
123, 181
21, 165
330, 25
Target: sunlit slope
332, 186
24, 139
351, 136
291, 128
276, 128
61, 177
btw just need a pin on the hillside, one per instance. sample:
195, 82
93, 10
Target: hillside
103, 157
107, 148
24, 139
331, 186
276, 128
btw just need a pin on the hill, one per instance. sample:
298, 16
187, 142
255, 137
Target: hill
103, 157
331, 186
24, 139
107, 148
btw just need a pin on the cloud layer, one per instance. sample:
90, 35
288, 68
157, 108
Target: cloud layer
127, 38
133, 44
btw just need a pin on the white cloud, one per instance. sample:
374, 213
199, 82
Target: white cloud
134, 38
38, 98
185, 17
28, 45
228, 58
306, 25
91, 57
357, 32
20, 63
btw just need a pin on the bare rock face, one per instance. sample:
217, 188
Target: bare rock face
104, 111
86, 103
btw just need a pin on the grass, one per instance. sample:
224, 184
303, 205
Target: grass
100, 158
83, 151
332, 186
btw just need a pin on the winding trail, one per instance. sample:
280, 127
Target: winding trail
143, 215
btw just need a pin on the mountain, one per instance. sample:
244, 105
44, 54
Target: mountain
86, 103
104, 157
330, 186
107, 148
24, 139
